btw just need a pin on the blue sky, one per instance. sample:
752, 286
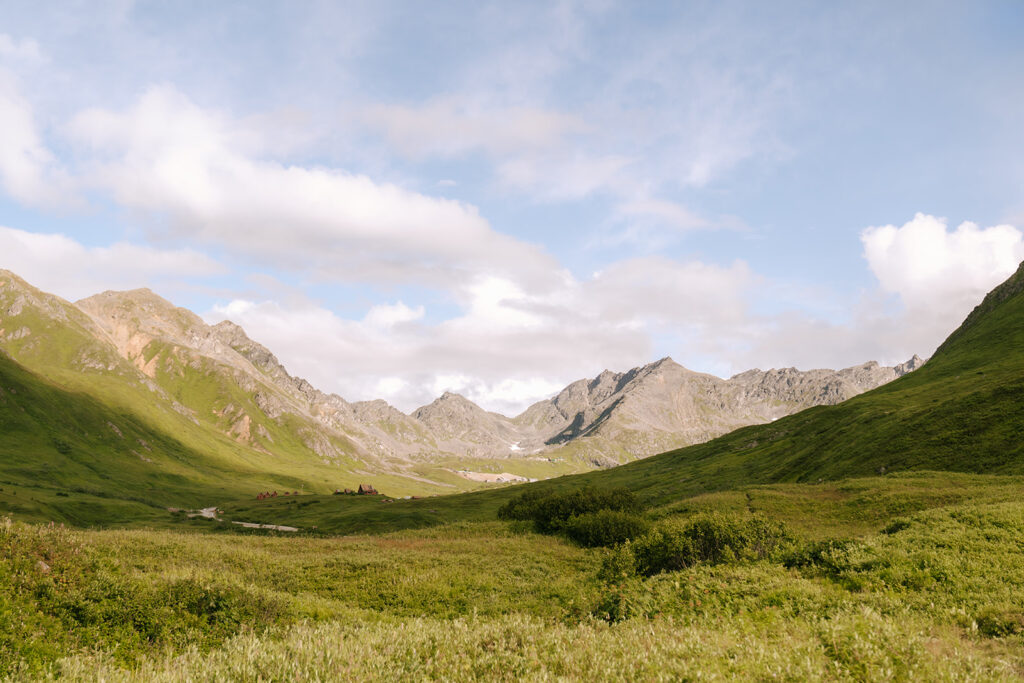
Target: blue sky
500, 198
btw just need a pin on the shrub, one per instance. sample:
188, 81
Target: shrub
711, 538
832, 557
56, 598
618, 564
605, 528
1000, 622
550, 511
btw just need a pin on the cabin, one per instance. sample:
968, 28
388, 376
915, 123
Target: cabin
366, 490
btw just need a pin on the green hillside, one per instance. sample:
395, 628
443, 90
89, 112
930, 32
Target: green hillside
87, 461
962, 412
68, 457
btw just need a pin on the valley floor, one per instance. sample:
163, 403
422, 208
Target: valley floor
915, 577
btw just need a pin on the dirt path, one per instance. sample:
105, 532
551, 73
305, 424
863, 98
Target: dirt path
211, 513
276, 527
206, 513
490, 477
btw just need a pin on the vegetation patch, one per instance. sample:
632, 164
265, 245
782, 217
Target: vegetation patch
56, 597
605, 528
590, 517
709, 538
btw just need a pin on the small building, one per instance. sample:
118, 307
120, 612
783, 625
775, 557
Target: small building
366, 490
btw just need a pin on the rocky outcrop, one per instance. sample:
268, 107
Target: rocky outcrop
663, 405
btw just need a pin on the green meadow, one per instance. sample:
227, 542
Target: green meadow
879, 539
910, 584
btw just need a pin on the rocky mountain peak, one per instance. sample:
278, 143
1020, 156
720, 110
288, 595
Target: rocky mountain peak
235, 337
16, 295
909, 366
643, 410
140, 310
447, 403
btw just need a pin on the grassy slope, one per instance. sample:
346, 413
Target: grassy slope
961, 412
76, 387
937, 597
68, 457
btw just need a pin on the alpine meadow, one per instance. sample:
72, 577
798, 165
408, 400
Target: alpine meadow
383, 341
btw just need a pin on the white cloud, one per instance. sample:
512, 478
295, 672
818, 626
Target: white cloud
29, 172
671, 213
168, 155
933, 269
935, 274
566, 176
508, 347
658, 289
58, 264
386, 316
26, 49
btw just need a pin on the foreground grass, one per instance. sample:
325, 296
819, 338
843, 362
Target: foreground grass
932, 595
847, 645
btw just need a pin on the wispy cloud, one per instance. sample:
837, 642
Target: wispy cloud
62, 265
166, 154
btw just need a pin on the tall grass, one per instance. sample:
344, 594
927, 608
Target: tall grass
933, 595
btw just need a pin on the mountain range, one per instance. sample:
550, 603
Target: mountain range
227, 401
959, 413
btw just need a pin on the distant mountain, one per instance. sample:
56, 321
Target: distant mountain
663, 405
228, 401
961, 412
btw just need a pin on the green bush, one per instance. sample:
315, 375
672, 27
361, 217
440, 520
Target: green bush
711, 538
999, 622
551, 511
605, 528
832, 557
618, 564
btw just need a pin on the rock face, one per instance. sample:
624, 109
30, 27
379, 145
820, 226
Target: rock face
165, 342
464, 427
663, 405
217, 376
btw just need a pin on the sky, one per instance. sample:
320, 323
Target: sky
496, 199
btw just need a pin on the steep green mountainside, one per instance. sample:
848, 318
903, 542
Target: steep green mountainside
89, 437
63, 452
961, 412
68, 456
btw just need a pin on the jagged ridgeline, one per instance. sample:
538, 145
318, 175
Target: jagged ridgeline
960, 412
123, 395
963, 412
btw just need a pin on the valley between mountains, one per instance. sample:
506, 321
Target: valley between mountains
876, 538
185, 406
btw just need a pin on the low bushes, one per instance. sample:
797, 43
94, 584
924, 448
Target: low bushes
711, 538
605, 528
589, 516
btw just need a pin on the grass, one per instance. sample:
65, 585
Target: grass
901, 554
936, 594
